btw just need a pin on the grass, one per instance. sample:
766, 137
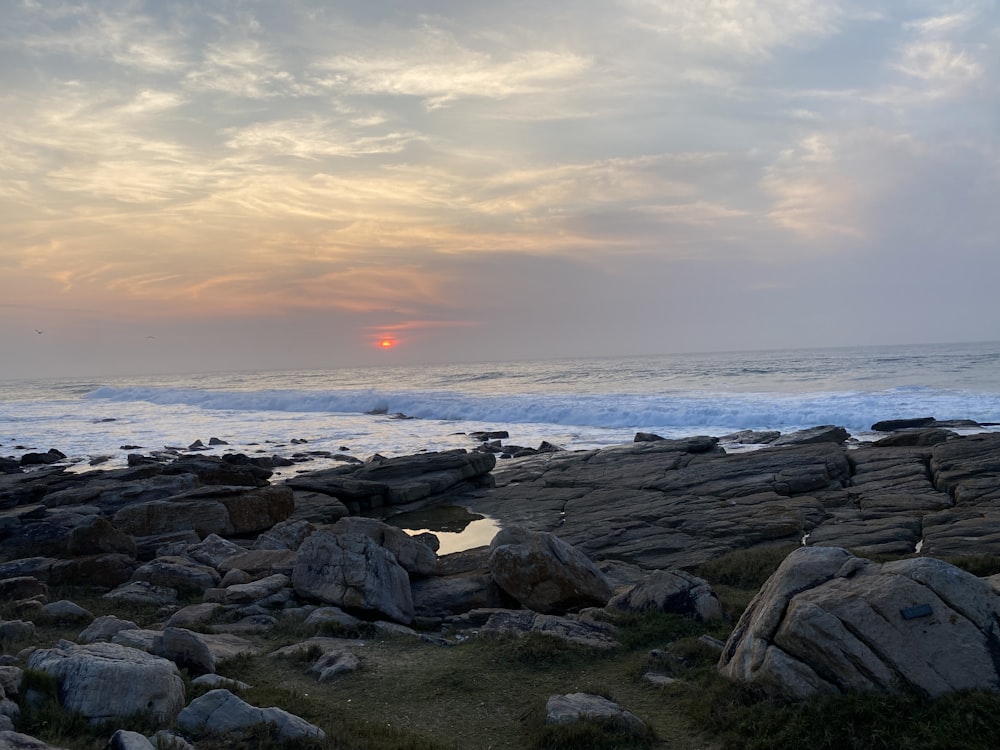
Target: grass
490, 693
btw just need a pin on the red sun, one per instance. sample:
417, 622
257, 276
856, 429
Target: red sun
386, 343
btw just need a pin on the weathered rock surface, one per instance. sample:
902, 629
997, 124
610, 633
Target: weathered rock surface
10, 740
219, 712
829, 622
574, 707
671, 591
399, 481
352, 571
105, 681
544, 573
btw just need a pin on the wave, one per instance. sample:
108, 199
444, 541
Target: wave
854, 410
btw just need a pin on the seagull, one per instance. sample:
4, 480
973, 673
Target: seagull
39, 332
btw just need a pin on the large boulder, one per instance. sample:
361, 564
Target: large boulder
107, 681
414, 556
828, 622
352, 571
544, 573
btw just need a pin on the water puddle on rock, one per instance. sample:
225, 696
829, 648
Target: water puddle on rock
455, 527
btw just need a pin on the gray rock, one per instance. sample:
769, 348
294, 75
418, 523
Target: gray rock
66, 611
575, 707
822, 434
194, 614
580, 632
219, 712
10, 740
333, 663
126, 740
416, 558
245, 593
186, 649
141, 592
96, 535
285, 535
352, 571
544, 573
828, 622
106, 681
105, 628
671, 591
213, 551
16, 630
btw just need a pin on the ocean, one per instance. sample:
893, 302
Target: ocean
574, 403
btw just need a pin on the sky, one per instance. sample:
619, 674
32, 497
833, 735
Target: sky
191, 186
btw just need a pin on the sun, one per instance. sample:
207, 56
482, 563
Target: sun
386, 343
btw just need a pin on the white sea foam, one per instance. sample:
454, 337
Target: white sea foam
576, 403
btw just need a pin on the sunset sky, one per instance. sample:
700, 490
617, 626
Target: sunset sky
191, 186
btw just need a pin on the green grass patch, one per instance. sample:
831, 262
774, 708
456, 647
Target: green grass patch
745, 569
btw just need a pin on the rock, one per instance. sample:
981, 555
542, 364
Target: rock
194, 614
522, 622
10, 740
102, 571
821, 434
220, 712
575, 707
186, 649
105, 628
287, 535
647, 437
324, 617
142, 592
106, 681
671, 591
13, 631
178, 573
212, 681
213, 551
246, 593
51, 456
22, 587
891, 425
333, 663
126, 740
751, 437
931, 436
352, 571
97, 534
400, 480
441, 596
544, 573
262, 562
415, 557
66, 611
828, 622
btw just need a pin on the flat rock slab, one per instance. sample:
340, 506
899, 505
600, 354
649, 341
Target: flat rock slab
676, 504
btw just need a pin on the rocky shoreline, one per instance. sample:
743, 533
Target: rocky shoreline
222, 551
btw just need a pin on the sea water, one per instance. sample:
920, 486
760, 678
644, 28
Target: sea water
574, 403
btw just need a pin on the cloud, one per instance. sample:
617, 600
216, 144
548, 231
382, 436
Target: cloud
439, 69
